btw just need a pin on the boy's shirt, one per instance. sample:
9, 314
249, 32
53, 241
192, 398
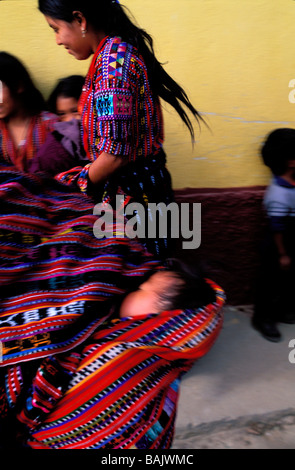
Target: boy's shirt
279, 203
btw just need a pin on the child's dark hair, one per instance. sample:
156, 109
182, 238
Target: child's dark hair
109, 16
68, 87
16, 77
278, 149
193, 292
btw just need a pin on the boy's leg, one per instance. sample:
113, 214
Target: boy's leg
286, 310
267, 295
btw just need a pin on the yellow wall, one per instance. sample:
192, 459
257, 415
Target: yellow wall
235, 58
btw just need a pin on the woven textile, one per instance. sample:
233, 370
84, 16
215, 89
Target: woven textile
119, 113
124, 391
56, 278
74, 375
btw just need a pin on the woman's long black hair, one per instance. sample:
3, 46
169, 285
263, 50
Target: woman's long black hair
109, 16
16, 77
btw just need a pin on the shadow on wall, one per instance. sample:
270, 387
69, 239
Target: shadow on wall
233, 224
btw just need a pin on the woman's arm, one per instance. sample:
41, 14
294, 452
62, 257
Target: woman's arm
104, 166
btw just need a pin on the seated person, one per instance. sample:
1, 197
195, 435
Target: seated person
63, 148
24, 121
64, 99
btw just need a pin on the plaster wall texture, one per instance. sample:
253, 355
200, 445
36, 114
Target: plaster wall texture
234, 58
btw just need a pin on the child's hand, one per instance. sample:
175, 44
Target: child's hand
285, 262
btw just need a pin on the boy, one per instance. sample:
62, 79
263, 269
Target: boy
274, 294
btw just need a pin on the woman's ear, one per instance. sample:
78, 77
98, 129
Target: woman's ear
80, 19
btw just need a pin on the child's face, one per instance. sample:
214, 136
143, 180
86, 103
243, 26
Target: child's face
67, 108
146, 299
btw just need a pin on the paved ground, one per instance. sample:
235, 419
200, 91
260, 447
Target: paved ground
242, 394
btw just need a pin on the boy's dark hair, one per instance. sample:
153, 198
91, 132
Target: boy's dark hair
110, 17
278, 149
68, 87
16, 77
193, 292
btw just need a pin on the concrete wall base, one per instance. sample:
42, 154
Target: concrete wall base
233, 223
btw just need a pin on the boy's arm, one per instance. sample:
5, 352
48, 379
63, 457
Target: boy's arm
284, 258
277, 210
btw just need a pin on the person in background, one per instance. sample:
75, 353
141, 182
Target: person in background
64, 98
24, 121
63, 148
274, 301
122, 122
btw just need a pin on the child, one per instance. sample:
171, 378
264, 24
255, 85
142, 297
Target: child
178, 286
130, 368
24, 123
64, 99
63, 148
274, 302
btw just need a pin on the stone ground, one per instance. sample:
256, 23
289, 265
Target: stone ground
274, 431
242, 394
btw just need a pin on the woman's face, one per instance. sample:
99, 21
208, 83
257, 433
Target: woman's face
8, 104
70, 36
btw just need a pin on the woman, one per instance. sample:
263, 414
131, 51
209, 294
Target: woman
121, 113
24, 123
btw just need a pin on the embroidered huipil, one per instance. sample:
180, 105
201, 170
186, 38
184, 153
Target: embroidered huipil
39, 127
120, 116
